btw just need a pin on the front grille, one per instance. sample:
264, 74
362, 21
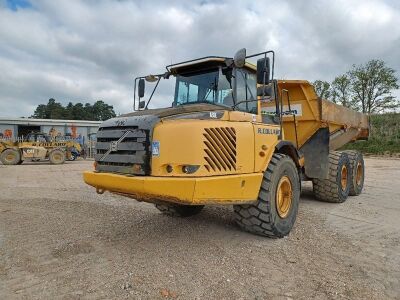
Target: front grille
220, 149
123, 150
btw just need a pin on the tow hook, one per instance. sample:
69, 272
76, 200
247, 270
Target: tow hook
100, 191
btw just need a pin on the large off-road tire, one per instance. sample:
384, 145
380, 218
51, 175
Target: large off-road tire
275, 211
336, 188
357, 172
10, 157
57, 157
179, 210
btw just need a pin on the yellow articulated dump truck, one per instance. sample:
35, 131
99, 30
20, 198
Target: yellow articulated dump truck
37, 146
233, 136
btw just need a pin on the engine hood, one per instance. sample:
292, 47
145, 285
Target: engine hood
147, 118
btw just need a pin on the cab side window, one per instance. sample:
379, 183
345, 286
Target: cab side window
246, 90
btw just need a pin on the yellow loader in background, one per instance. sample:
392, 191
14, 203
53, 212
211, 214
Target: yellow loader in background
38, 146
233, 136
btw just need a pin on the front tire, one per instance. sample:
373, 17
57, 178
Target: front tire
57, 157
179, 210
10, 157
275, 211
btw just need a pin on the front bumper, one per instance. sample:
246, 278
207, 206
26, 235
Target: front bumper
229, 189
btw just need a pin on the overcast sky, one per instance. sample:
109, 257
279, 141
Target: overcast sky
82, 51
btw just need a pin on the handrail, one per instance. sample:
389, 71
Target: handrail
294, 116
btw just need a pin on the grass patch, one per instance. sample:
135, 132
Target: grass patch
384, 135
374, 146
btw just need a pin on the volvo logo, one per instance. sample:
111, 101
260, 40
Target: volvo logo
114, 146
120, 122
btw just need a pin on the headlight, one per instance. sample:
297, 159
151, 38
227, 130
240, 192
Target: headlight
190, 169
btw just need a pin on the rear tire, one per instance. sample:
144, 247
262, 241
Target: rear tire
179, 210
275, 211
10, 157
336, 188
57, 157
357, 172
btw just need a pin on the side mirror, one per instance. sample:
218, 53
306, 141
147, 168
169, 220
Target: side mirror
263, 70
141, 88
240, 58
142, 104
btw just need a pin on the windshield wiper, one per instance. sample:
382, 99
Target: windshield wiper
208, 102
247, 86
213, 87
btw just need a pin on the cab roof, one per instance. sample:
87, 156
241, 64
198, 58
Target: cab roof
203, 63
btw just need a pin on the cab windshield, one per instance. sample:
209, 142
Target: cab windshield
214, 86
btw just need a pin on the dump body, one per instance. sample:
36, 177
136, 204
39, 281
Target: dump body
310, 113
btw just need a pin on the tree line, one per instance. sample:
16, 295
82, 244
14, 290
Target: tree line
367, 88
99, 111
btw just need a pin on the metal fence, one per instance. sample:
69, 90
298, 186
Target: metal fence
90, 149
12, 139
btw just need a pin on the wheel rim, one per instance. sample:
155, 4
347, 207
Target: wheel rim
284, 197
359, 174
343, 178
10, 157
57, 157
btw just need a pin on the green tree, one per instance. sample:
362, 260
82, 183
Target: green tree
79, 112
99, 111
69, 111
55, 110
40, 112
341, 91
102, 111
51, 110
372, 85
89, 112
322, 89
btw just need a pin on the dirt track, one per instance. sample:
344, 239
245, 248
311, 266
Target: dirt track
59, 239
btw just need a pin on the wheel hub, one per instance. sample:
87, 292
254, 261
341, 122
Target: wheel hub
359, 174
284, 197
343, 179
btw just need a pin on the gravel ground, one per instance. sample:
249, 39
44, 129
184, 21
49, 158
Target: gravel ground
59, 239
